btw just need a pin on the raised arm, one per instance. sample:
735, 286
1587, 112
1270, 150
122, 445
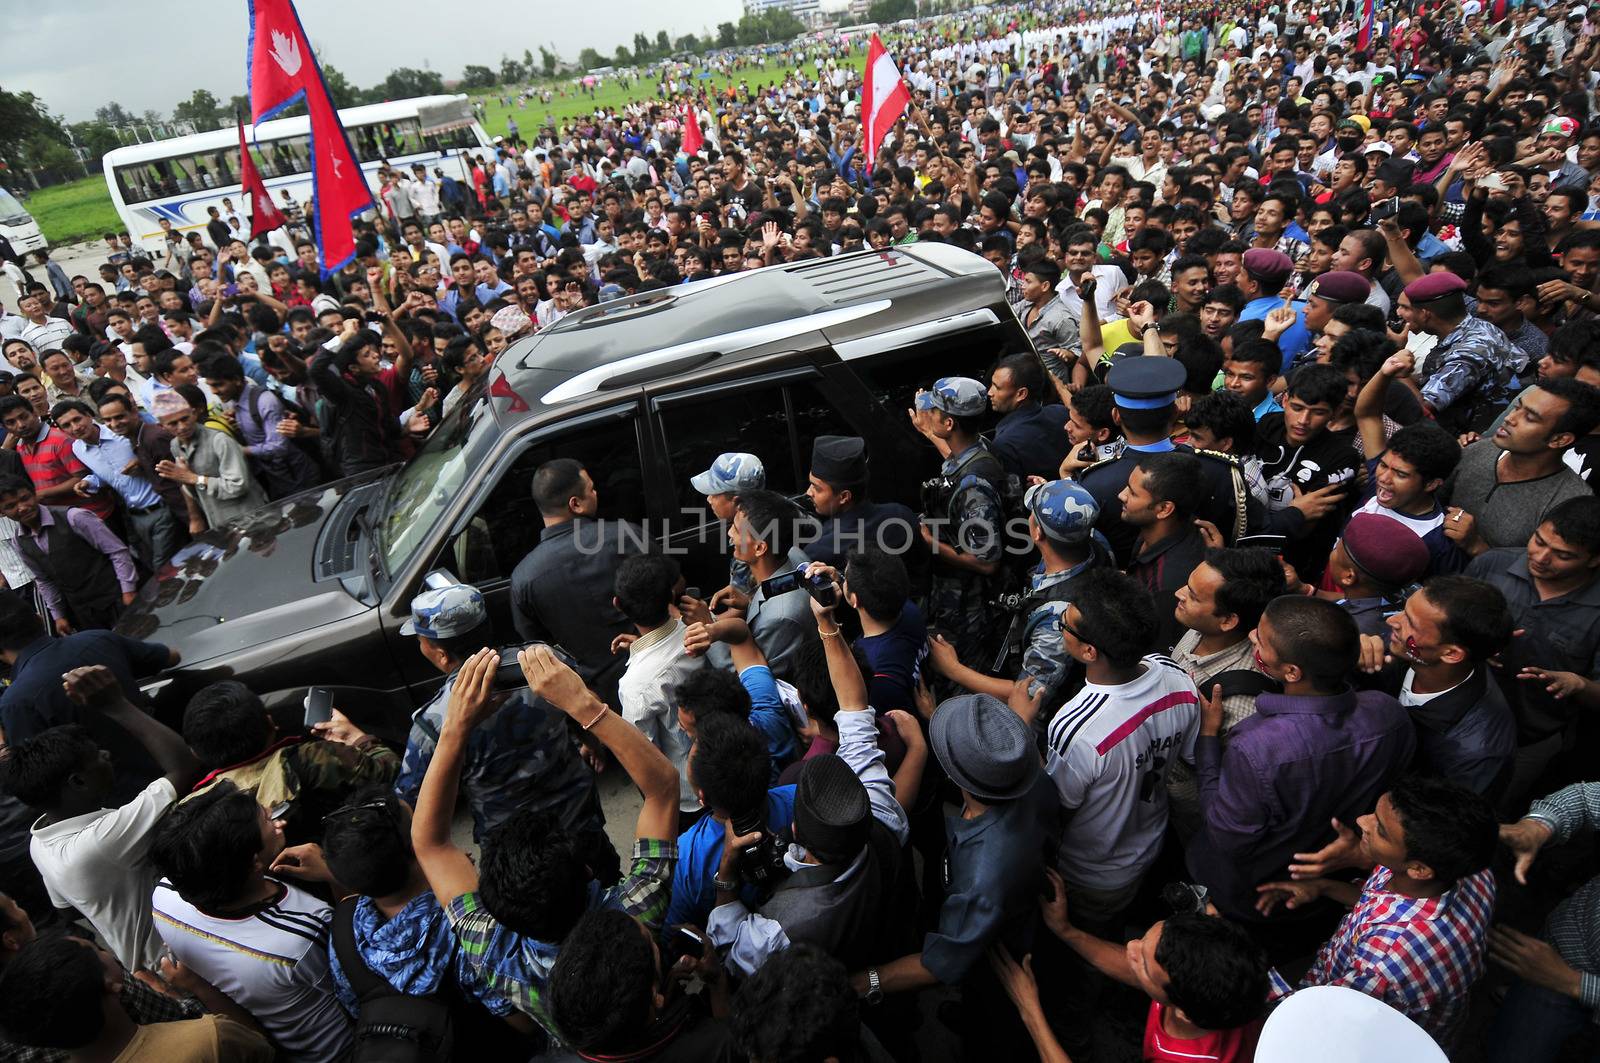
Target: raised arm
448, 869
647, 766
96, 687
1369, 403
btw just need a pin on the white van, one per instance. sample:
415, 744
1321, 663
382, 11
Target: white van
18, 226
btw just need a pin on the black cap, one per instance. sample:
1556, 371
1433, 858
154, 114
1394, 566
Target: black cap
832, 814
1146, 383
839, 461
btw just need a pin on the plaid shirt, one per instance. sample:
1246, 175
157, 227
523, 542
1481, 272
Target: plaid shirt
517, 966
144, 1006
1574, 926
1419, 956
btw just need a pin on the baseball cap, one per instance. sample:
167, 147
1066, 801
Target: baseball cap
959, 396
446, 612
730, 474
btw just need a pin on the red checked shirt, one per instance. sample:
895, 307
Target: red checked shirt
1418, 956
49, 461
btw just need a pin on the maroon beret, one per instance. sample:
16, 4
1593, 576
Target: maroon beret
1267, 265
1340, 286
1388, 551
1434, 286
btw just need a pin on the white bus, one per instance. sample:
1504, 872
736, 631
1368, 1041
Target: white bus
18, 226
178, 179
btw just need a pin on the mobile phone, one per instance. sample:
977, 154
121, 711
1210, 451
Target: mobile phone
319, 706
693, 592
681, 941
1274, 543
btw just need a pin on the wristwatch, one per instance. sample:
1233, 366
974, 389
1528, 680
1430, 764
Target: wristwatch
874, 993
723, 886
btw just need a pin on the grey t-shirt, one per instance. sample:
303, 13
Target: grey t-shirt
1507, 513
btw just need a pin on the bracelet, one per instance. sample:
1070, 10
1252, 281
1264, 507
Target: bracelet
828, 634
603, 711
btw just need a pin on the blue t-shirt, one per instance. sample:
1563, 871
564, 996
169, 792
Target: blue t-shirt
895, 658
700, 853
1295, 340
768, 716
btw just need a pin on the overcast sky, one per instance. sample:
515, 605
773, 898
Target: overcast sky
81, 54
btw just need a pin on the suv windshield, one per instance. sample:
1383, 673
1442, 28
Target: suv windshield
420, 491
11, 212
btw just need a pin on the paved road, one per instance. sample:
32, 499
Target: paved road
74, 258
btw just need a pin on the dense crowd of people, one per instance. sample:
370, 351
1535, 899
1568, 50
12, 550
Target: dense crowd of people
1289, 683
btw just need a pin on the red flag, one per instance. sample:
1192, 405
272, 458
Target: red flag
1364, 35
264, 214
884, 98
281, 71
693, 139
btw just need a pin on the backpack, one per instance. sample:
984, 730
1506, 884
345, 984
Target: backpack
391, 1027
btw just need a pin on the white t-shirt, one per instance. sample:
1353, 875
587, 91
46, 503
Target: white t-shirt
273, 963
99, 864
1108, 752
1109, 281
656, 665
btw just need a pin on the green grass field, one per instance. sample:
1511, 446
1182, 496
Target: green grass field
612, 94
79, 210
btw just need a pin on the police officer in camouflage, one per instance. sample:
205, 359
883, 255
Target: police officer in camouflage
728, 475
963, 511
1061, 518
1146, 394
524, 757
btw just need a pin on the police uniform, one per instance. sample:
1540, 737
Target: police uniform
523, 757
841, 463
728, 475
967, 500
1148, 383
1032, 440
1065, 512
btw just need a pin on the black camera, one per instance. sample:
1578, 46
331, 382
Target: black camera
761, 865
819, 587
1185, 898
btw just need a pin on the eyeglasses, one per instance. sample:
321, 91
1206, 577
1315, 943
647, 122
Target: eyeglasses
1074, 632
380, 804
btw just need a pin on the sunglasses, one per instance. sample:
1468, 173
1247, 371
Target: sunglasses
376, 805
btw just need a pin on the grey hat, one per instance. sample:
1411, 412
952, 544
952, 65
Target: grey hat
984, 747
730, 474
959, 396
446, 612
832, 814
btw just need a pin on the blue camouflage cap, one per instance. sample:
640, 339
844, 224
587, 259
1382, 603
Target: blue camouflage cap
959, 396
1065, 510
446, 612
731, 473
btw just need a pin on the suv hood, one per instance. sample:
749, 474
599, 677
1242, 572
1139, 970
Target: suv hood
248, 582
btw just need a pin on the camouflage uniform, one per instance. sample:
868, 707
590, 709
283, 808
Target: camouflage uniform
522, 757
1470, 374
301, 780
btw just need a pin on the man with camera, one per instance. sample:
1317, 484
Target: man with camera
521, 758
849, 826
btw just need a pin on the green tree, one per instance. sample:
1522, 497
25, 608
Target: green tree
774, 24
641, 47
113, 114
406, 82
663, 43
340, 91
477, 77
548, 61
727, 35
201, 108
529, 69
589, 59
23, 118
623, 58
95, 138
689, 43
891, 10
511, 71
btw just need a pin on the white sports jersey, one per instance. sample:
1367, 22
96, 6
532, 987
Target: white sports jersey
272, 962
1108, 753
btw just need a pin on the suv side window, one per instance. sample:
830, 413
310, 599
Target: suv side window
750, 418
895, 377
507, 524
